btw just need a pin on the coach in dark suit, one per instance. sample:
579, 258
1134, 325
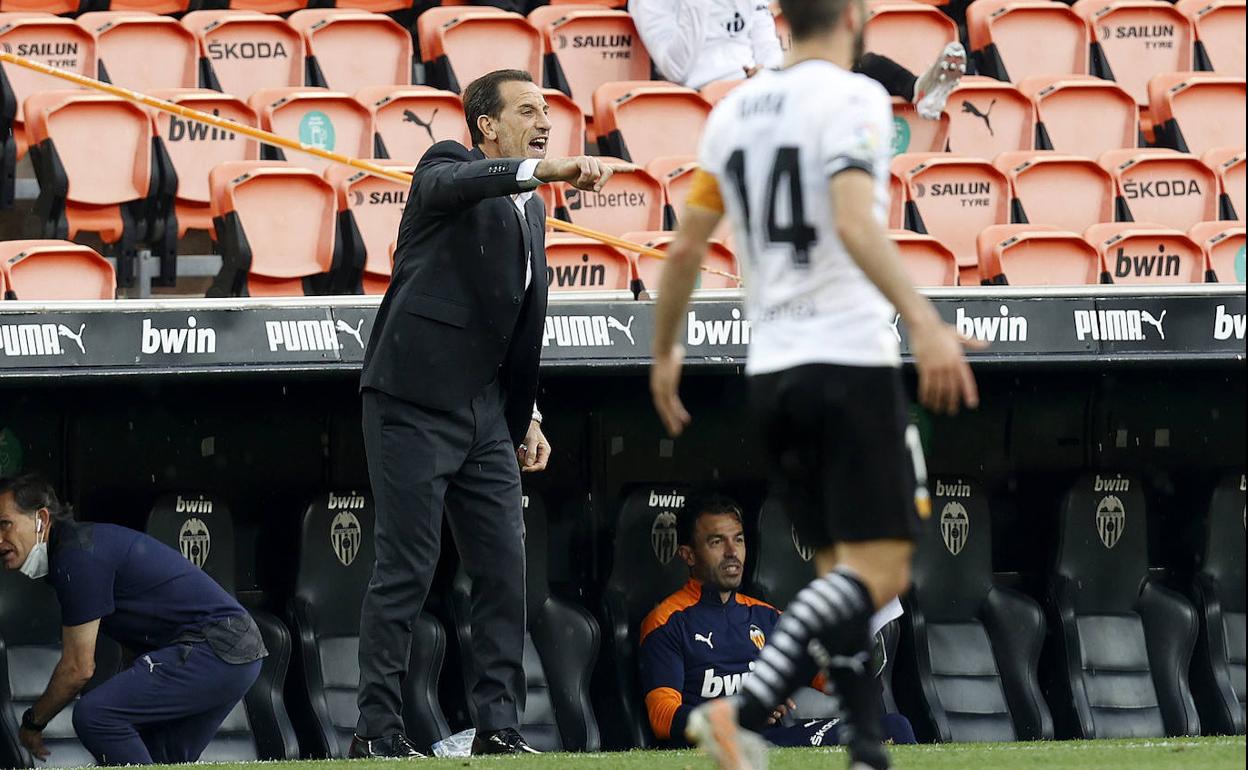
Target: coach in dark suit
449, 382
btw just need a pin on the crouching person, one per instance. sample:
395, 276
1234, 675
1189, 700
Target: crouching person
196, 651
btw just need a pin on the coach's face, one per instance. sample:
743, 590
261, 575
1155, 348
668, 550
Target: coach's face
522, 128
18, 531
717, 556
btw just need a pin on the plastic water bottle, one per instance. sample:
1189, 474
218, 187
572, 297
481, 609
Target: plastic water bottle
458, 745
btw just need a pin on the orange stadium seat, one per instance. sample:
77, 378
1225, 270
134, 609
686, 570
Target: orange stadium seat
1197, 111
896, 201
164, 7
1036, 255
1163, 186
1228, 165
641, 121
43, 270
459, 45
713, 92
628, 202
912, 34
1066, 191
143, 51
675, 174
1147, 253
1083, 115
92, 155
914, 133
783, 30
718, 258
349, 49
1219, 26
987, 117
49, 7
588, 48
265, 6
275, 226
574, 263
317, 117
244, 51
1137, 39
1003, 34
410, 119
1223, 245
378, 6
194, 149
567, 125
953, 198
370, 208
927, 261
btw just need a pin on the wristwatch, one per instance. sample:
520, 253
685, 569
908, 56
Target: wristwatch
29, 723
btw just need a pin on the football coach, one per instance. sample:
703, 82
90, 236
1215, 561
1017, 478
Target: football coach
196, 650
449, 419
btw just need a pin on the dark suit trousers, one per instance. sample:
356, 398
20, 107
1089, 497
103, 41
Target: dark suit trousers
421, 461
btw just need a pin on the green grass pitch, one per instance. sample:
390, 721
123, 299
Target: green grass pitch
1152, 754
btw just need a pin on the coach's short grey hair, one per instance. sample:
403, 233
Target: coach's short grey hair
481, 97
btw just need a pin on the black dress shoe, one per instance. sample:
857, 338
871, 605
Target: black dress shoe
395, 746
505, 741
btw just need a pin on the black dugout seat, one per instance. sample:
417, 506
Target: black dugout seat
336, 558
201, 528
1218, 664
1124, 643
560, 649
975, 646
644, 571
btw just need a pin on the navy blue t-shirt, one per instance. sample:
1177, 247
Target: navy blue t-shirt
145, 594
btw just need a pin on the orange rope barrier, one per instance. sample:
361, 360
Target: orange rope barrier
291, 144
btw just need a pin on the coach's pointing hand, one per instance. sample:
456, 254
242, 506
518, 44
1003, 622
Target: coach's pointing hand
583, 172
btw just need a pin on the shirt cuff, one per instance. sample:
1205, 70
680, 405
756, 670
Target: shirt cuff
524, 174
537, 416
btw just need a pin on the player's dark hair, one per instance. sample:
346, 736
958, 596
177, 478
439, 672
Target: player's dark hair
482, 97
808, 18
699, 504
32, 492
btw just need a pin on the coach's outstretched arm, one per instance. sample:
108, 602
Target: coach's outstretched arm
945, 378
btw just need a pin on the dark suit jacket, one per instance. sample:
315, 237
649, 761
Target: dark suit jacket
457, 314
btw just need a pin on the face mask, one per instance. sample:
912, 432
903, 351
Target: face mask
36, 564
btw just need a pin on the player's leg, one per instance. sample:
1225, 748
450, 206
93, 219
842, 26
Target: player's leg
929, 91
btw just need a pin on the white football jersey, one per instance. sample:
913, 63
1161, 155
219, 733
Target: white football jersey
773, 144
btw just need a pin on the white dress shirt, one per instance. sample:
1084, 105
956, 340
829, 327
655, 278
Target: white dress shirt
525, 174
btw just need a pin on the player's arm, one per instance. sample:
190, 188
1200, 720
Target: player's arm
945, 379
662, 667
703, 211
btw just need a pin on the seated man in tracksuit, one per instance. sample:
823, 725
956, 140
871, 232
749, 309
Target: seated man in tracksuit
699, 643
196, 650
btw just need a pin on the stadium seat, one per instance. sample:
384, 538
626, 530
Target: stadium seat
560, 649
988, 117
896, 201
275, 229
914, 133
928, 262
1037, 255
641, 120
1223, 245
911, 34
1228, 165
1002, 35
4, 286
1122, 643
164, 7
200, 527
675, 174
575, 263
567, 125
409, 119
349, 49
588, 48
1218, 663
143, 51
953, 198
1163, 186
369, 210
335, 563
375, 6
718, 257
1147, 253
1082, 115
628, 202
55, 270
716, 90
976, 646
1132, 40
1195, 111
316, 117
1219, 26
1050, 188
459, 45
644, 571
243, 51
92, 154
